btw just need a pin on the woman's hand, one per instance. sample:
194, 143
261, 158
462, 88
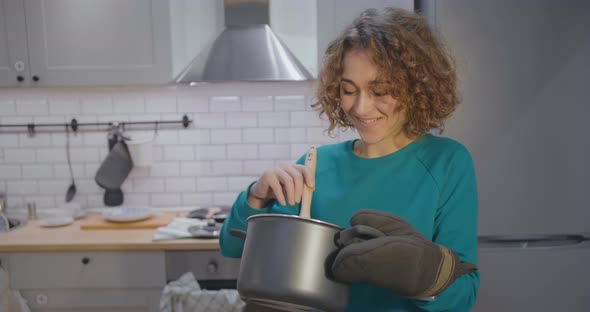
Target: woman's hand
283, 182
403, 260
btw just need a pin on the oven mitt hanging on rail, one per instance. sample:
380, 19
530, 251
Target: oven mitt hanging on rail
403, 260
112, 173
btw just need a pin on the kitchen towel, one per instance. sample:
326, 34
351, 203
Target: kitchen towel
177, 228
185, 294
10, 300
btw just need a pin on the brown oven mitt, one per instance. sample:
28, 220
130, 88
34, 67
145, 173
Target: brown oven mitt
403, 260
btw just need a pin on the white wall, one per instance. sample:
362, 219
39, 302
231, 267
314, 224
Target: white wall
194, 25
300, 37
239, 130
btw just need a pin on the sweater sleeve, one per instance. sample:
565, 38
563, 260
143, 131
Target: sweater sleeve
232, 246
456, 229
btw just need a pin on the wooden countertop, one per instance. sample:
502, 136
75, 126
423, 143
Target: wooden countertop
32, 237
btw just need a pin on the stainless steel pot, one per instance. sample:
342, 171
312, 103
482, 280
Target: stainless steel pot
286, 262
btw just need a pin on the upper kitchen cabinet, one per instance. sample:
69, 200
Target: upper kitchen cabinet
112, 42
13, 43
99, 42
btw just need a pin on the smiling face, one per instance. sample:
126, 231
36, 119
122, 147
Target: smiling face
369, 106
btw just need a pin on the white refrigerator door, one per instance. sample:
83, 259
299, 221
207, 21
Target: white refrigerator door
523, 67
534, 279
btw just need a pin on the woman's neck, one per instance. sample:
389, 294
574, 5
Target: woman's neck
379, 149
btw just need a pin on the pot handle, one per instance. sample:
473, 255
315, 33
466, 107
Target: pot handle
238, 233
355, 234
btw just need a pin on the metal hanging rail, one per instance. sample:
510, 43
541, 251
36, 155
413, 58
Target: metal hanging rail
75, 125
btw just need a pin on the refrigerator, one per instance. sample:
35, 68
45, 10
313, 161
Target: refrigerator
524, 68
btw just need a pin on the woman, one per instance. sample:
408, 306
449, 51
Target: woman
392, 81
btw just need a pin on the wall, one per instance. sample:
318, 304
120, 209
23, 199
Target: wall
239, 130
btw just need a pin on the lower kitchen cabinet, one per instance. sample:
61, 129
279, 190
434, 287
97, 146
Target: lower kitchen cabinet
89, 281
95, 300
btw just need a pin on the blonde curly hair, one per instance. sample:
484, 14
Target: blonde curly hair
402, 45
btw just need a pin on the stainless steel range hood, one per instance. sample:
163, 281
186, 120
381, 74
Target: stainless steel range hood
246, 50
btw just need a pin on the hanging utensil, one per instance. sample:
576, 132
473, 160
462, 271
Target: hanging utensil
71, 192
115, 168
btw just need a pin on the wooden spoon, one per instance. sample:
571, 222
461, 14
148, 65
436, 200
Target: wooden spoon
310, 162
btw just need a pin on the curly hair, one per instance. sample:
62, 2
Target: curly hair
403, 47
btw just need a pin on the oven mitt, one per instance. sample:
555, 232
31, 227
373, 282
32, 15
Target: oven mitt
403, 260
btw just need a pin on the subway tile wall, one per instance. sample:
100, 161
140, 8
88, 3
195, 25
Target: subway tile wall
238, 131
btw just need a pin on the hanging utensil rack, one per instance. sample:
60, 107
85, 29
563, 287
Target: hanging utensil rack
75, 125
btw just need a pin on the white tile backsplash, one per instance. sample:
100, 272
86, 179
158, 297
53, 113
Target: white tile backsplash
226, 136
149, 185
242, 151
23, 187
179, 152
257, 167
32, 107
194, 137
97, 106
10, 171
128, 104
210, 152
290, 135
289, 103
273, 151
241, 120
8, 140
37, 171
7, 107
39, 140
181, 185
224, 104
305, 119
195, 168
161, 104
165, 169
226, 167
194, 104
165, 200
64, 106
258, 135
273, 119
211, 184
257, 103
238, 131
19, 156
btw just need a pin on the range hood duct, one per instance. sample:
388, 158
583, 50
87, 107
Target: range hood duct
246, 50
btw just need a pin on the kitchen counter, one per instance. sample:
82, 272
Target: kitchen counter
33, 238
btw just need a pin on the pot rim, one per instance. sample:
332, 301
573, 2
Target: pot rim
286, 216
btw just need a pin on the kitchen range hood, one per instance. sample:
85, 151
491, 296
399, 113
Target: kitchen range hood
246, 50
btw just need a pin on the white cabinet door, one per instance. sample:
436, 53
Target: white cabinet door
88, 281
103, 300
98, 42
13, 45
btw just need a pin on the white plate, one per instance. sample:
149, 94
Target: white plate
56, 221
126, 214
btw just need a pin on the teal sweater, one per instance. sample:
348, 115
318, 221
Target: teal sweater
430, 183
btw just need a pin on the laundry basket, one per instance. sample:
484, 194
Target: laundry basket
185, 295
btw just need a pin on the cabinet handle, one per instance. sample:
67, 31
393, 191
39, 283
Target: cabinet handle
35, 78
20, 78
85, 260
